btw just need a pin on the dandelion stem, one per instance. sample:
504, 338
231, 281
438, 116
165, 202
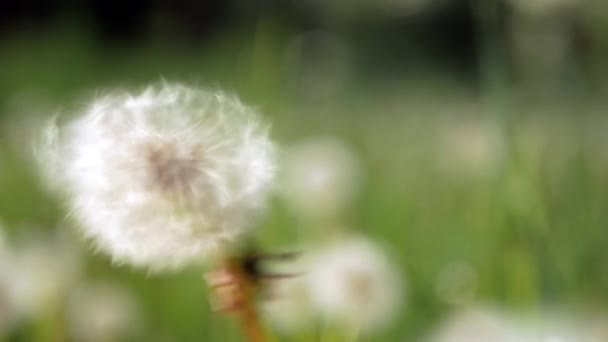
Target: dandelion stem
245, 300
251, 323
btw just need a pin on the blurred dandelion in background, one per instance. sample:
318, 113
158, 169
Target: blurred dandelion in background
43, 269
103, 311
470, 149
320, 178
37, 272
353, 283
346, 285
493, 324
477, 324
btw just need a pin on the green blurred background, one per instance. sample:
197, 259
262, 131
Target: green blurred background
479, 126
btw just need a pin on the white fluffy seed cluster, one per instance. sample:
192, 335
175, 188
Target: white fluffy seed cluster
348, 282
354, 281
164, 177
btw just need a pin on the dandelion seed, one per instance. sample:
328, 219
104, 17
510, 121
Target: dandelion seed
165, 177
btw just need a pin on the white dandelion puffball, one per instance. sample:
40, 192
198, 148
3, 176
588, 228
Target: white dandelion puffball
353, 282
321, 177
167, 176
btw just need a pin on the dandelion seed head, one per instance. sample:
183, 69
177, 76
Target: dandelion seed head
353, 281
164, 177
